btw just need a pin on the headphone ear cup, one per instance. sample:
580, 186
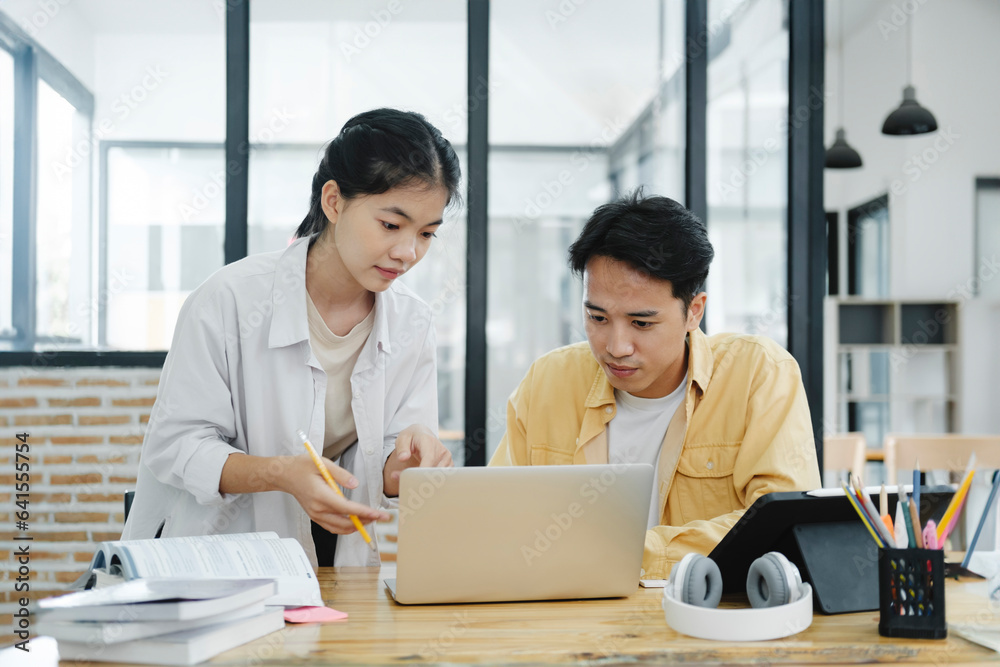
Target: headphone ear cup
772, 581
701, 584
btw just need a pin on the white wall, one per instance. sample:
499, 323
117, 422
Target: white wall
930, 177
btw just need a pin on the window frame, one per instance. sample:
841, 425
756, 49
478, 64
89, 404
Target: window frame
983, 183
34, 64
854, 232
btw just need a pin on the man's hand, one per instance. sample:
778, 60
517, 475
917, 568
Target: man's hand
416, 446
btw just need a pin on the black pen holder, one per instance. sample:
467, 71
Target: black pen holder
911, 593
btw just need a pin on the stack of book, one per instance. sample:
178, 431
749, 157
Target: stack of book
165, 621
179, 600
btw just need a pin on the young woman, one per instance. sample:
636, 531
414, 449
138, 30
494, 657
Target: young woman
319, 337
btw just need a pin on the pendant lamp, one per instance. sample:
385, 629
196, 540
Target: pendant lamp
909, 117
841, 155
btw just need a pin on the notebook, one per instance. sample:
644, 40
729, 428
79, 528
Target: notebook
520, 533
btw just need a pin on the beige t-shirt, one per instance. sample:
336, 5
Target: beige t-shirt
337, 355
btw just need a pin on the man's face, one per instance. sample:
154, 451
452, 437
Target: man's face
636, 327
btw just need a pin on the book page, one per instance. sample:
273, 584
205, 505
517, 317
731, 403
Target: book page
225, 557
188, 557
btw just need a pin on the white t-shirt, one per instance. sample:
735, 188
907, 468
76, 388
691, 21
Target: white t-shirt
337, 355
636, 433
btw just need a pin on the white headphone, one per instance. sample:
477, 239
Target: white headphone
782, 603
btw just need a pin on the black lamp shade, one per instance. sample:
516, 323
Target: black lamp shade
910, 117
840, 155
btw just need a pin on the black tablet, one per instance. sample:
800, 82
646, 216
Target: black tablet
824, 537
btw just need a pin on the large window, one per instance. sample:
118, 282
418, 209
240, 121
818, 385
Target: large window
6, 191
164, 232
585, 102
110, 276
312, 67
747, 167
62, 223
569, 129
45, 180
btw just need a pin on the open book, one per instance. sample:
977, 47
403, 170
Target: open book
237, 556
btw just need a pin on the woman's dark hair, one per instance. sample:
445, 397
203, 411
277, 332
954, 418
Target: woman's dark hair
379, 150
654, 235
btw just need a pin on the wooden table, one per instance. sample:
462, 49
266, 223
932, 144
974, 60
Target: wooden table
629, 629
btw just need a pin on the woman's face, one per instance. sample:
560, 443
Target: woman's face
381, 237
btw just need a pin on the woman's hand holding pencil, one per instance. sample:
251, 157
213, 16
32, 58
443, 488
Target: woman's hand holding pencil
313, 483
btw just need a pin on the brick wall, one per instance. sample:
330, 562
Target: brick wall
85, 429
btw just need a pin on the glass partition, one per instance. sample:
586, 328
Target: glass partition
747, 165
6, 190
313, 66
570, 128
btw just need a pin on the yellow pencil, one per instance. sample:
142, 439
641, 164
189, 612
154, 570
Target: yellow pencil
956, 499
333, 485
955, 506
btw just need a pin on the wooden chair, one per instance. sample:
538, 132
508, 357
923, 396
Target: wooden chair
844, 451
945, 451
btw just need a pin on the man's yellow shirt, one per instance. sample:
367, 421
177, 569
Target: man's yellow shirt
746, 431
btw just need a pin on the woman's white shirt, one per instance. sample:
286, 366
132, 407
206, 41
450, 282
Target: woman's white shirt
241, 377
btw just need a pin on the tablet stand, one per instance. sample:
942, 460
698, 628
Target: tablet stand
840, 560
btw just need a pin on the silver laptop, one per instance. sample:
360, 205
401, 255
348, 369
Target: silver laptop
520, 533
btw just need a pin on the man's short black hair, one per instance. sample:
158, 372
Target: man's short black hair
654, 235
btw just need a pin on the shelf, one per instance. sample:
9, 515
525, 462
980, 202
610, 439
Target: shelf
867, 324
893, 365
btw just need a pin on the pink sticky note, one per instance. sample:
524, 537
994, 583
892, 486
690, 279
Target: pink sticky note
314, 615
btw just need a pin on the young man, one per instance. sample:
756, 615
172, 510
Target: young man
723, 419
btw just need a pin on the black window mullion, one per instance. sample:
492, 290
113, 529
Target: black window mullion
25, 197
807, 253
478, 230
696, 111
237, 129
